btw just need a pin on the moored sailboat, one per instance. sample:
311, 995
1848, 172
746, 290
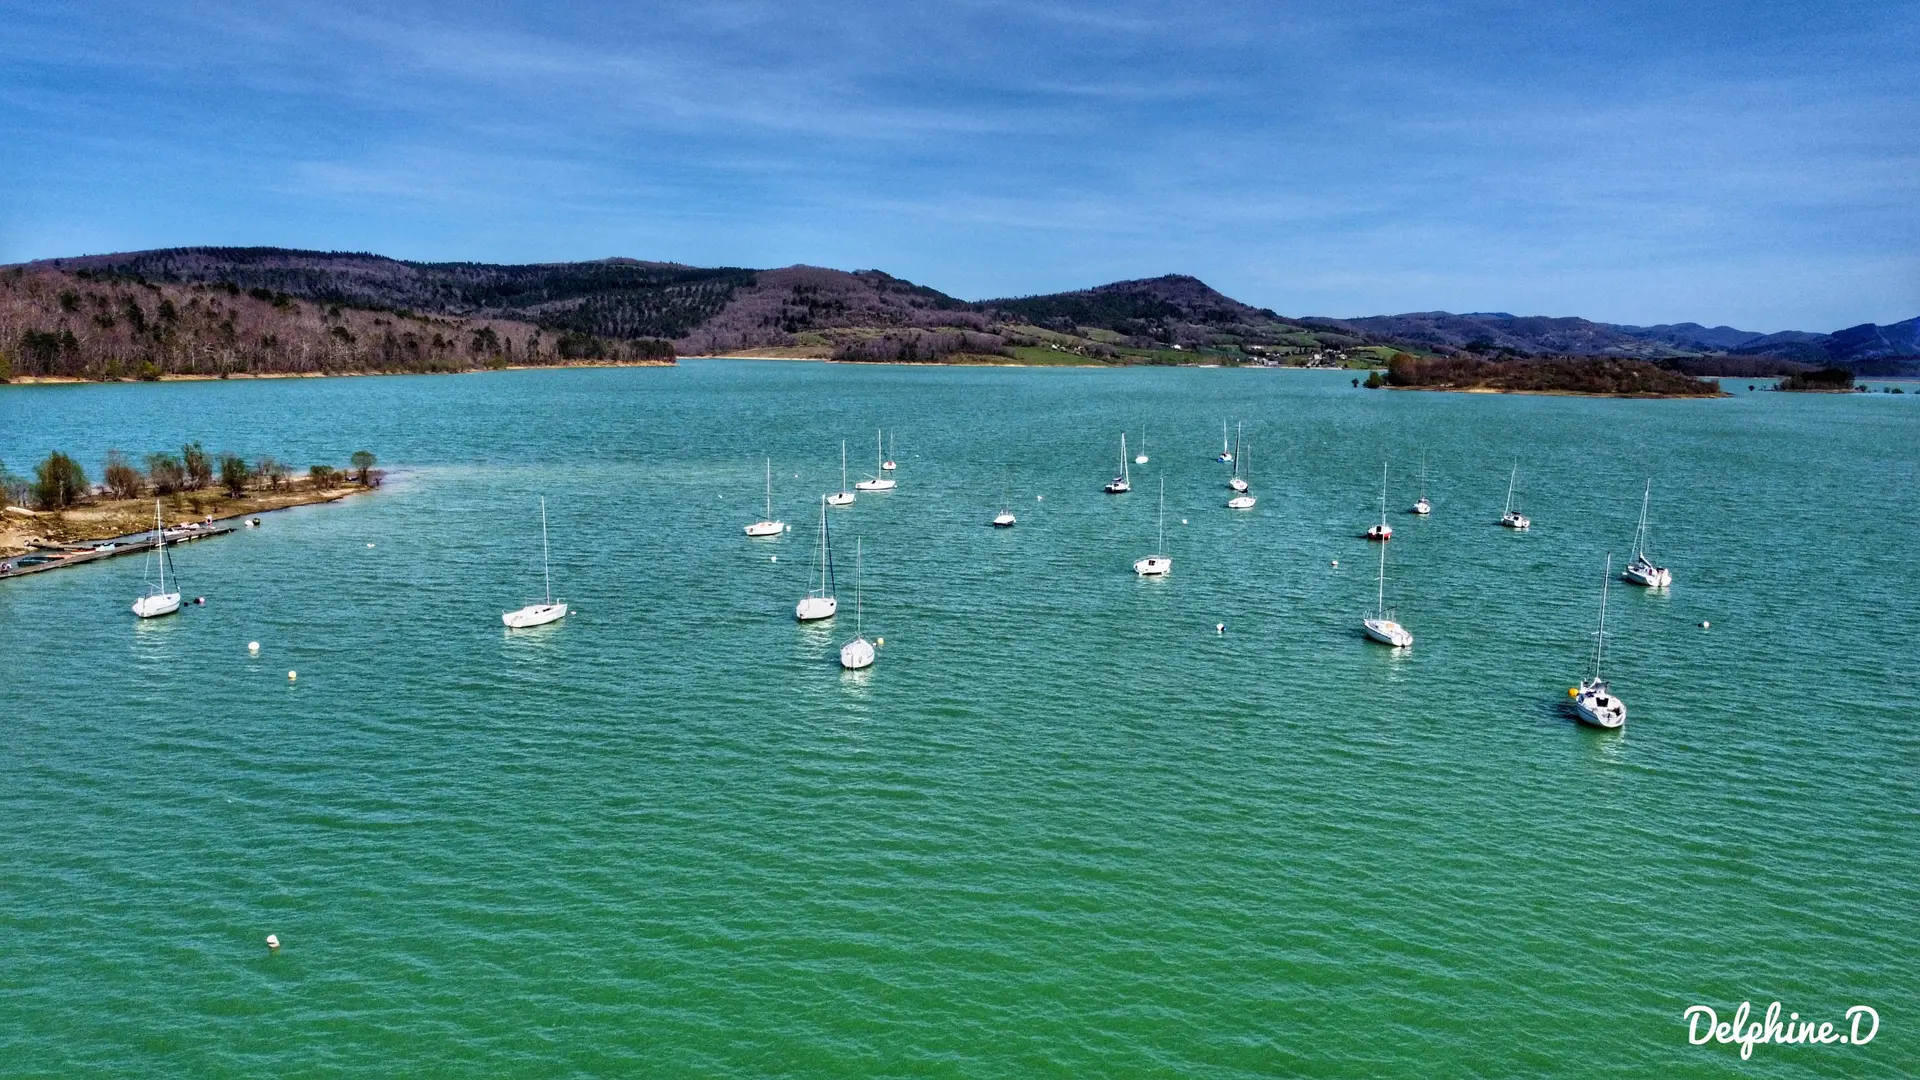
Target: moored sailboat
1421, 506
1121, 484
1246, 499
820, 603
879, 481
1383, 627
547, 610
1159, 562
766, 526
1382, 531
858, 653
1511, 518
159, 600
1642, 571
1593, 701
843, 497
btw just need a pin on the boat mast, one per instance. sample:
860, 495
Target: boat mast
857, 633
879, 459
1380, 605
1163, 515
769, 489
545, 570
843, 473
1600, 636
1236, 449
1511, 477
160, 532
1640, 534
1383, 501
1423, 475
1125, 476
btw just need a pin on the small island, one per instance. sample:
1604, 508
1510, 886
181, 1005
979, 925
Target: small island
1833, 380
1595, 376
57, 516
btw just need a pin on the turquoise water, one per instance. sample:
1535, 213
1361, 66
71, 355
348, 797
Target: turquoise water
1061, 828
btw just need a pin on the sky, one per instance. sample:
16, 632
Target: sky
1751, 164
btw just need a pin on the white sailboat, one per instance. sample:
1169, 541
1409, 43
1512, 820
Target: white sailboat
1236, 481
1592, 700
843, 497
1382, 531
1226, 455
858, 653
1004, 519
158, 600
546, 610
1383, 628
1141, 457
1160, 562
879, 481
1246, 499
1421, 506
888, 465
1121, 484
1511, 518
766, 526
1641, 570
820, 603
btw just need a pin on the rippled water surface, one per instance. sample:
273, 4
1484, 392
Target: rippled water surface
1063, 827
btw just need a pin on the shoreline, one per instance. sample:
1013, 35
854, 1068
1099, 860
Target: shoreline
1564, 393
103, 521
71, 380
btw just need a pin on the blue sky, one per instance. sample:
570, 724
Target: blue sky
1751, 164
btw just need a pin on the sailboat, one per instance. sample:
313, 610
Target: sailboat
1159, 563
1244, 500
820, 603
158, 600
546, 610
843, 497
1592, 700
1121, 484
1382, 627
1382, 531
1004, 519
888, 465
1141, 457
1236, 482
1511, 518
1226, 455
1421, 506
1641, 570
879, 481
766, 526
858, 653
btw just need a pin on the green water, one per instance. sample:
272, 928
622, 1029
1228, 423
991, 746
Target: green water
1061, 828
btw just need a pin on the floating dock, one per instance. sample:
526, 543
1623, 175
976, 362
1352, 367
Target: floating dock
56, 556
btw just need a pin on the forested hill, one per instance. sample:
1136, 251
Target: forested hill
872, 315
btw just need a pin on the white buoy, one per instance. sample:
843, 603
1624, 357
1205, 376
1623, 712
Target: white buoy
1039, 498
1219, 628
292, 675
273, 942
253, 647
774, 558
369, 543
1336, 562
1704, 624
1183, 521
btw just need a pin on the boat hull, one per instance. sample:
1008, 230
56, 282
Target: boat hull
1515, 521
1596, 706
1423, 508
1379, 532
1241, 502
1004, 521
814, 608
1117, 487
152, 607
1653, 577
882, 484
840, 498
534, 615
766, 528
1387, 632
1153, 566
856, 654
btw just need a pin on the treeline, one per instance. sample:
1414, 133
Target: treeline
59, 481
1568, 374
89, 326
1833, 378
922, 346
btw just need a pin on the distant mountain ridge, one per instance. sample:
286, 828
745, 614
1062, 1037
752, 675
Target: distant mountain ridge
706, 310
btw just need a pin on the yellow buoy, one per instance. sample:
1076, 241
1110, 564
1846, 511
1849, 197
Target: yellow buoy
1573, 691
879, 641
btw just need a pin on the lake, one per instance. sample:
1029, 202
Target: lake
1063, 826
